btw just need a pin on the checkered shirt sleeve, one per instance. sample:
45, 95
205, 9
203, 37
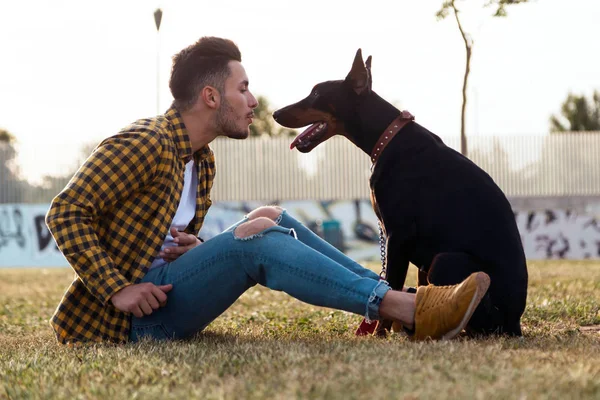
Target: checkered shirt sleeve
117, 168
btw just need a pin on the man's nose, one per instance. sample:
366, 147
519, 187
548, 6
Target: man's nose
253, 103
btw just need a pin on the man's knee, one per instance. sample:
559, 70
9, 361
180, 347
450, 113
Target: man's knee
253, 227
271, 212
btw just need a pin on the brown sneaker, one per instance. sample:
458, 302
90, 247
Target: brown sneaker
442, 312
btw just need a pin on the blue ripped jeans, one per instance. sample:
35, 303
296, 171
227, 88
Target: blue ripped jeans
288, 257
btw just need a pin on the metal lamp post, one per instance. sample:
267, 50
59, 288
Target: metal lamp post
157, 18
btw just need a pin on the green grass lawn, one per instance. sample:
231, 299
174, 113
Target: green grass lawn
269, 345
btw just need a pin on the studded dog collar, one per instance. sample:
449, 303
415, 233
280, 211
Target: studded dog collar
404, 118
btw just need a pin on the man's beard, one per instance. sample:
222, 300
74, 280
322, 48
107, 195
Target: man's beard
226, 122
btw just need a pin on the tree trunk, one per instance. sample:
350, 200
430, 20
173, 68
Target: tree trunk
468, 47
463, 112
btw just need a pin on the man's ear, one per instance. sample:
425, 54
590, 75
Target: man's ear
358, 76
211, 97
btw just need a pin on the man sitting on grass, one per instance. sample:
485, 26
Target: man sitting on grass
127, 222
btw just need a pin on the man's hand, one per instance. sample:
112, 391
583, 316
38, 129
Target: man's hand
184, 241
141, 299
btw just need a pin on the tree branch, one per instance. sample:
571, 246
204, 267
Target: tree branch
466, 37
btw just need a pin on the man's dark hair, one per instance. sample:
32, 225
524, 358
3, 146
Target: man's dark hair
204, 63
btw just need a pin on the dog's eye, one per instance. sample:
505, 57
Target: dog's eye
314, 94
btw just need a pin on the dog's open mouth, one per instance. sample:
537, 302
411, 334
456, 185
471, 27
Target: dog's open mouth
310, 138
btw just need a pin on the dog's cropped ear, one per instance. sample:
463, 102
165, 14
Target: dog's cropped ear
368, 65
358, 76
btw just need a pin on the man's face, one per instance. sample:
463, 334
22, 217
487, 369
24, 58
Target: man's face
237, 104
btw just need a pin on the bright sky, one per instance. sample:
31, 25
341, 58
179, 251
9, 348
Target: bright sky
73, 71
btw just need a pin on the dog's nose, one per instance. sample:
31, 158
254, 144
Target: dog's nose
276, 115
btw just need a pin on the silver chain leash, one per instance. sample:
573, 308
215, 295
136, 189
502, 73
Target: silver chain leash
382, 242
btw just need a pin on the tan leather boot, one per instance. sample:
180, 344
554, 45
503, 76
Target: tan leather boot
442, 312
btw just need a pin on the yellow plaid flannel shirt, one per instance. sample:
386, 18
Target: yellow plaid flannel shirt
111, 220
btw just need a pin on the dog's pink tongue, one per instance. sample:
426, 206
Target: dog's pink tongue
305, 133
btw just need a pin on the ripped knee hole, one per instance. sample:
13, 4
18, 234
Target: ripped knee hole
253, 227
271, 212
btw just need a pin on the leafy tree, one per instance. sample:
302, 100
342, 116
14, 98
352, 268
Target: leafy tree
11, 187
6, 136
448, 7
264, 124
578, 114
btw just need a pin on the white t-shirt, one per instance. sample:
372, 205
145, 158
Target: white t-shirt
185, 211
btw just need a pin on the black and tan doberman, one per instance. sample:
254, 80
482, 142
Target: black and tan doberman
440, 211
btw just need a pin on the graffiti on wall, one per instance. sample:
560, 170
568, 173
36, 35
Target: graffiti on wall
356, 222
546, 234
11, 227
25, 240
549, 234
558, 234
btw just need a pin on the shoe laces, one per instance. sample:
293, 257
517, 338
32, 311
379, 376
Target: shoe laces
438, 295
